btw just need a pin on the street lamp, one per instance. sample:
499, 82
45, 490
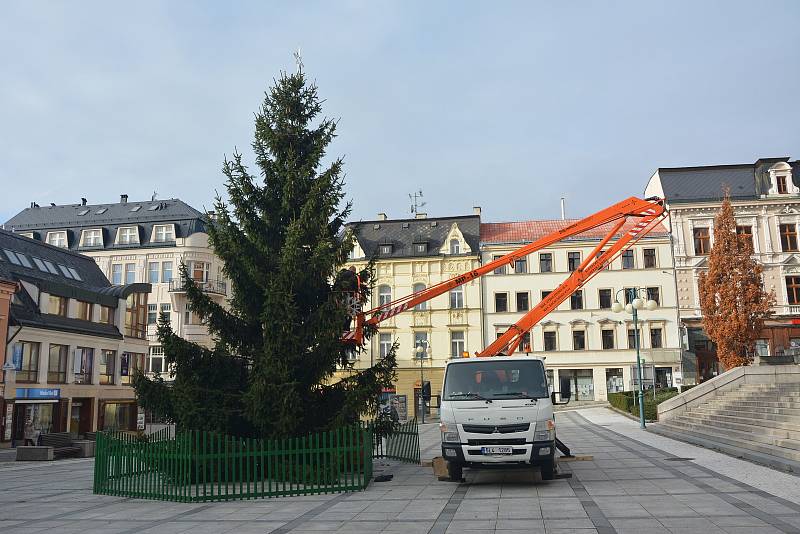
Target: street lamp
419, 350
633, 307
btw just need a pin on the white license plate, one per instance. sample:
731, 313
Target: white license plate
496, 450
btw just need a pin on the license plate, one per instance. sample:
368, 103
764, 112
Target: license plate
496, 450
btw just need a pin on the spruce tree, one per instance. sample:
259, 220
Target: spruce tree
283, 239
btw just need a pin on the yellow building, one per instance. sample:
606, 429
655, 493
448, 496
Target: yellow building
412, 254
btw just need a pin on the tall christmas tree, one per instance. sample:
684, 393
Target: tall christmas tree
732, 297
283, 240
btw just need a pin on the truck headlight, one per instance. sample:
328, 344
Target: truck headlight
449, 433
545, 431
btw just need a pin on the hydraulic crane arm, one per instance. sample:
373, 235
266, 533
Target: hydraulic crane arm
649, 211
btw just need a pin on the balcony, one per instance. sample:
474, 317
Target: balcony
217, 287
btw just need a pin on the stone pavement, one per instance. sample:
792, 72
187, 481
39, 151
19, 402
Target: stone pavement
629, 487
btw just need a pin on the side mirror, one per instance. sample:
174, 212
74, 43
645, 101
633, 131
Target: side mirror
565, 393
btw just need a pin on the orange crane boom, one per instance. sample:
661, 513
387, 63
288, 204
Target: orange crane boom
649, 212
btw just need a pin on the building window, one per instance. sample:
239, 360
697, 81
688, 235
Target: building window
702, 241
545, 262
573, 260
116, 274
200, 271
457, 298
501, 302
130, 273
385, 250
153, 272
386, 343
152, 313
106, 366
129, 363
654, 293
136, 315
84, 360
632, 338
630, 294
649, 258
455, 246
384, 295
604, 296
576, 300
26, 360
424, 304
163, 232
106, 315
155, 361
781, 185
745, 234
57, 305
420, 248
457, 345
421, 340
545, 294
83, 310
762, 347
525, 343
627, 259
57, 239
549, 341
521, 266
522, 301
57, 364
92, 238
166, 272
607, 337
578, 340
655, 338
166, 310
793, 289
788, 237
127, 235
502, 268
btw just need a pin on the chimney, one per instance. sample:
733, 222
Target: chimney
381, 216
420, 215
34, 205
476, 210
563, 211
83, 201
123, 199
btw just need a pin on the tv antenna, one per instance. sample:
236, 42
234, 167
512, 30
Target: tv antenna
298, 58
416, 201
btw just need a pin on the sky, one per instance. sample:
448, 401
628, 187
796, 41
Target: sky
505, 105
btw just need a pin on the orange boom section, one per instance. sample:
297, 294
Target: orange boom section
645, 213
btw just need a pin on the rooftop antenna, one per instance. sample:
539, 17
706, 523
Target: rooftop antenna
298, 58
416, 202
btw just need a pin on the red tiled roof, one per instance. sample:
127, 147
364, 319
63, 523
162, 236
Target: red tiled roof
528, 231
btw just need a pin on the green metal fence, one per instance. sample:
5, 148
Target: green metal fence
197, 466
400, 442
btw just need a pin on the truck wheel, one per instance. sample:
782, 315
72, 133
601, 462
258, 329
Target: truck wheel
548, 470
454, 471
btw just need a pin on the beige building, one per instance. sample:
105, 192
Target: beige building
766, 201
583, 339
412, 254
138, 242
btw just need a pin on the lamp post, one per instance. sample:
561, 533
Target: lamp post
419, 350
636, 304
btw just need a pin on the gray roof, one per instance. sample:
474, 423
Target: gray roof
33, 262
109, 217
403, 233
697, 184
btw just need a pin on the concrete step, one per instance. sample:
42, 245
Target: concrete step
754, 414
759, 403
743, 425
746, 420
793, 412
740, 438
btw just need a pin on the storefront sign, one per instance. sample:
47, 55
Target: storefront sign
7, 426
38, 393
140, 421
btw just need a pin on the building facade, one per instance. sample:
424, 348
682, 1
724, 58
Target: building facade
138, 242
766, 200
74, 342
583, 339
413, 254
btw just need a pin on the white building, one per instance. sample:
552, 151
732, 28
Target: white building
583, 338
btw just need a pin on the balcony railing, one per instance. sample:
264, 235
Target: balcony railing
219, 287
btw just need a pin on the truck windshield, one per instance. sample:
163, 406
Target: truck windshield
488, 379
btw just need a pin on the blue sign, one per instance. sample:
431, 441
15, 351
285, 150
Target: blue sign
38, 393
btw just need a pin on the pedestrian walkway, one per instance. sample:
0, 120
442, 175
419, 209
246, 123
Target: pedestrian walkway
630, 486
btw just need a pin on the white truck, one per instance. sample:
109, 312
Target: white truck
497, 412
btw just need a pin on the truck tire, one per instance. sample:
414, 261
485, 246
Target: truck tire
548, 470
454, 471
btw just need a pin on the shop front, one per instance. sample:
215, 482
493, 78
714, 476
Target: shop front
40, 406
581, 383
117, 415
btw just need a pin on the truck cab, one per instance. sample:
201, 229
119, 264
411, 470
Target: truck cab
498, 412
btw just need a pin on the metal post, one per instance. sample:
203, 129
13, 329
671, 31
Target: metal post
639, 367
421, 389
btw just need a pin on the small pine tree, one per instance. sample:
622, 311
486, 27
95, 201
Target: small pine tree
283, 241
732, 297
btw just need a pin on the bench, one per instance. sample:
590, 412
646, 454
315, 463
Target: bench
90, 436
62, 444
27, 453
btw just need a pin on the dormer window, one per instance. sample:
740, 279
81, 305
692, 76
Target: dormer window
92, 238
386, 249
127, 235
420, 248
455, 246
57, 239
163, 233
781, 181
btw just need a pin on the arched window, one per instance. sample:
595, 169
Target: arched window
455, 246
384, 295
422, 305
